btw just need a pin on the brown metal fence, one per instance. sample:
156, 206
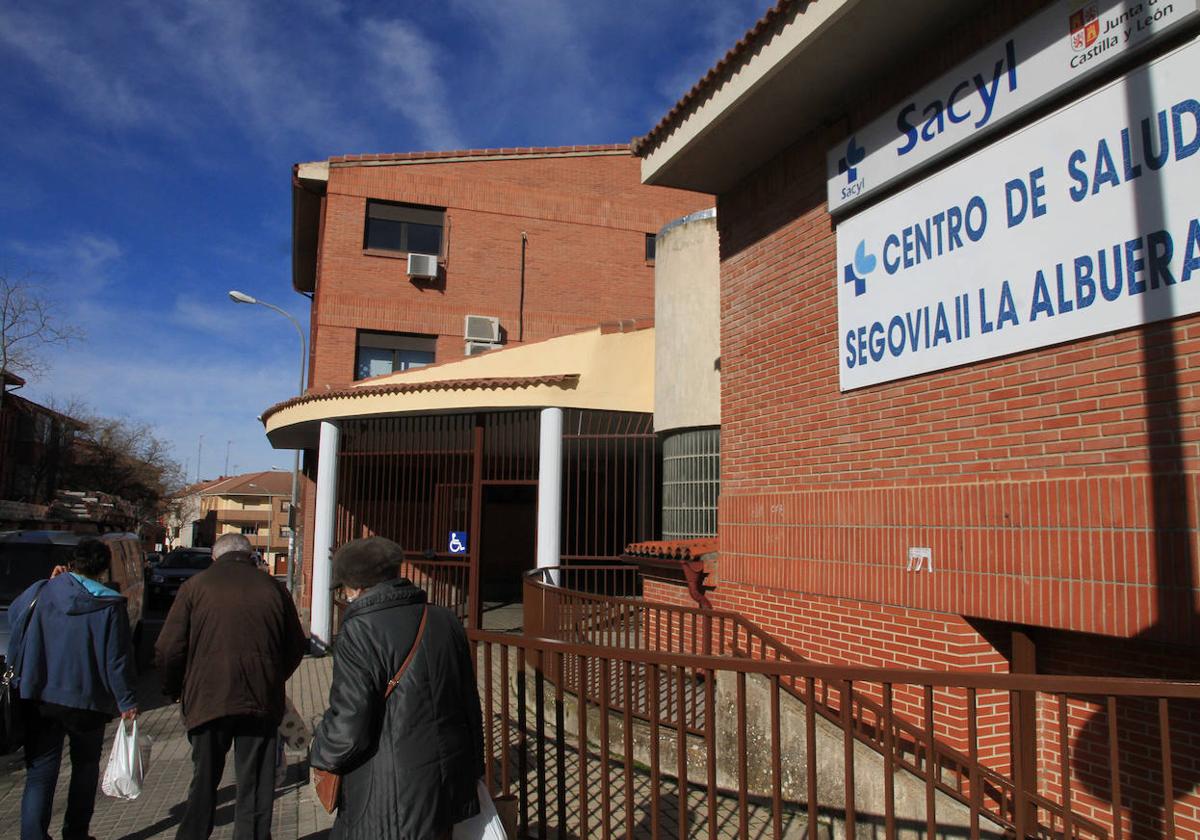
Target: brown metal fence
414, 479
569, 605
594, 764
405, 478
610, 483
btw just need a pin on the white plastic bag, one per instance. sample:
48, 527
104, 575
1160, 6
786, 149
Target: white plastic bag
486, 824
127, 763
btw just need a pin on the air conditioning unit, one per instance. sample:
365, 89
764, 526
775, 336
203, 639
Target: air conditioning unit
422, 265
474, 348
482, 328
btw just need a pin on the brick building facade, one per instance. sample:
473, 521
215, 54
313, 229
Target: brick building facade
548, 242
1058, 488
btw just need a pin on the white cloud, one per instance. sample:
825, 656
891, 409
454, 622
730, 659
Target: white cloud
202, 366
74, 268
718, 25
88, 84
407, 80
182, 396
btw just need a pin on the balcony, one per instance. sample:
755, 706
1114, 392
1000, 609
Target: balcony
247, 516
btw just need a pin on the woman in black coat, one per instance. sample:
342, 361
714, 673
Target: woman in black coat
409, 763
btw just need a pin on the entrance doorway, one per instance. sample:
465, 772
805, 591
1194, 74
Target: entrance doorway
507, 549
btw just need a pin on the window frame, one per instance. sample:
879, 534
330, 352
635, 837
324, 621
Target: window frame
403, 214
424, 343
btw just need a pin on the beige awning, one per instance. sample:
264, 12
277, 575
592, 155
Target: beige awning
609, 368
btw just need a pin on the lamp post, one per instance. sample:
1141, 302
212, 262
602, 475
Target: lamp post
242, 297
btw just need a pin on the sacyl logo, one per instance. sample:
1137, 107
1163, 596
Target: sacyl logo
857, 271
854, 156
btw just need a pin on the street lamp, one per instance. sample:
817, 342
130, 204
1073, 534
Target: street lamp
242, 297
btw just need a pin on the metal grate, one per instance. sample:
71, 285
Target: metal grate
610, 483
405, 478
691, 483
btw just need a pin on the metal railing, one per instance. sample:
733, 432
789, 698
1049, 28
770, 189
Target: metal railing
580, 768
445, 579
569, 605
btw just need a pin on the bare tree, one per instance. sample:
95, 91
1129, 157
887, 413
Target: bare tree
29, 323
125, 458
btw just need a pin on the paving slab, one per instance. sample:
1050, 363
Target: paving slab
156, 813
298, 815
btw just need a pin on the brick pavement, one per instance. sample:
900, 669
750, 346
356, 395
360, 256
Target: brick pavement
298, 816
156, 813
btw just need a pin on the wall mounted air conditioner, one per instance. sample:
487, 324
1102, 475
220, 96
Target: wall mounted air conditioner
481, 328
423, 265
474, 348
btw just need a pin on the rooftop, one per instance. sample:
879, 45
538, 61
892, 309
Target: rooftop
265, 483
794, 72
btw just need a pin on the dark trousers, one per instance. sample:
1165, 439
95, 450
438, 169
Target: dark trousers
44, 736
253, 740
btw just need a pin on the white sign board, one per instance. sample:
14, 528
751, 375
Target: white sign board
1055, 49
1085, 222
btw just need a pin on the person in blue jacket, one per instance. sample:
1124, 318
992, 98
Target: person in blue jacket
70, 650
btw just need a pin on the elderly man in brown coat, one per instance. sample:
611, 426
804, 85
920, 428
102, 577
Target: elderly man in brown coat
230, 642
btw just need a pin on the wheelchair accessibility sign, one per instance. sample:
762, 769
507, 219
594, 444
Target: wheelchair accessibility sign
458, 542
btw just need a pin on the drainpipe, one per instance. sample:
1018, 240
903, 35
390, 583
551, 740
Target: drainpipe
549, 508
321, 611
521, 302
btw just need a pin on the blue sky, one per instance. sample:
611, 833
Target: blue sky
148, 149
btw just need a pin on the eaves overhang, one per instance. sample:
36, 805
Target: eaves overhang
795, 71
309, 181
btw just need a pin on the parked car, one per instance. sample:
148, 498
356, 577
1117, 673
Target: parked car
29, 556
173, 571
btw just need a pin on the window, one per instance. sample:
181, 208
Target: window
381, 353
651, 241
404, 228
250, 530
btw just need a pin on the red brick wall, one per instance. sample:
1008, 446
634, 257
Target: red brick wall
1139, 757
836, 631
1056, 487
842, 631
585, 219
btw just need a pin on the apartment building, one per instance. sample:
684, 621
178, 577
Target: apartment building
420, 268
256, 505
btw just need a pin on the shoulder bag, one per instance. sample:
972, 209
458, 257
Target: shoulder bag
328, 784
12, 724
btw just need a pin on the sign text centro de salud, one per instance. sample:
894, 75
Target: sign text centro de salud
1085, 222
1052, 51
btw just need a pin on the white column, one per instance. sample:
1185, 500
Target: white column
326, 515
549, 516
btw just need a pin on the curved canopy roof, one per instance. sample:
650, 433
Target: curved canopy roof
609, 368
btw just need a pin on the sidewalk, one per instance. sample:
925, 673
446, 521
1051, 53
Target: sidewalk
156, 813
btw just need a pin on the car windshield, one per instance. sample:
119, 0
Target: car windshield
23, 563
195, 560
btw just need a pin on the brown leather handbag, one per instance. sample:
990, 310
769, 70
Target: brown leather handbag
328, 784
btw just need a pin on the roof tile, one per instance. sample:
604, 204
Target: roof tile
643, 145
532, 151
693, 549
488, 383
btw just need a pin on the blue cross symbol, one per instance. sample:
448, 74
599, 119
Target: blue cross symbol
857, 271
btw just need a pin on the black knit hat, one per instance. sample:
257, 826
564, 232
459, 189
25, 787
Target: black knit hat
363, 563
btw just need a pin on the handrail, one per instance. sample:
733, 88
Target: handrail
792, 668
1045, 683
